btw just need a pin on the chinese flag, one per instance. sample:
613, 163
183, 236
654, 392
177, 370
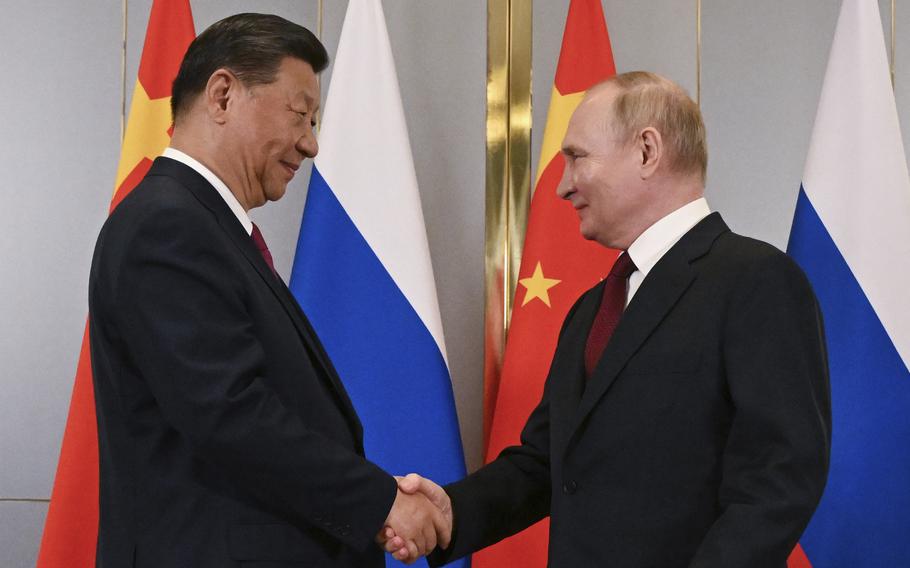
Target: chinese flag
557, 266
71, 529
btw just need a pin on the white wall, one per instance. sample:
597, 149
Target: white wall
762, 67
59, 124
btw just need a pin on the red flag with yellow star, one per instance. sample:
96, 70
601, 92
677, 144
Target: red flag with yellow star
71, 528
557, 266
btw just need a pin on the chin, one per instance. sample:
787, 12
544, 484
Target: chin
276, 193
588, 236
587, 232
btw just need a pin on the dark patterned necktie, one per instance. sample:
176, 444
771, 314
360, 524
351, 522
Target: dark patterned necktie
263, 249
611, 307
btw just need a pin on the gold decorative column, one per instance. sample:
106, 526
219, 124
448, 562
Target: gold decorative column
508, 175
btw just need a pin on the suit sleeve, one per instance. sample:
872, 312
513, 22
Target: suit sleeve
510, 493
184, 323
504, 497
775, 462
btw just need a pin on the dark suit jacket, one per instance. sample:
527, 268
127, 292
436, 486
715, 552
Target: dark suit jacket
226, 437
702, 437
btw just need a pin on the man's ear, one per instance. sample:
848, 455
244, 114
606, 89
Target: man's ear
219, 91
651, 147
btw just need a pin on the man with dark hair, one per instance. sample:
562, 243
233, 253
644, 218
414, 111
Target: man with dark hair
686, 418
251, 46
226, 437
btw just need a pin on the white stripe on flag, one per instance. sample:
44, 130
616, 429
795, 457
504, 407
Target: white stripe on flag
856, 173
365, 157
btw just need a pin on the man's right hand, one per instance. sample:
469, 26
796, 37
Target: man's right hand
416, 523
395, 542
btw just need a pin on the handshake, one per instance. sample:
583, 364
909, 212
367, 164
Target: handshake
420, 519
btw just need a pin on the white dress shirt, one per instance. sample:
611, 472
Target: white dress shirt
216, 182
657, 239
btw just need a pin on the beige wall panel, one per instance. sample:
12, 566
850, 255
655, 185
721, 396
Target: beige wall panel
59, 137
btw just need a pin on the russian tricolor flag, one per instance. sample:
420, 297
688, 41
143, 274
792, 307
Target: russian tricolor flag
362, 271
851, 234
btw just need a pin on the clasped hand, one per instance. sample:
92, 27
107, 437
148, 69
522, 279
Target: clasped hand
420, 520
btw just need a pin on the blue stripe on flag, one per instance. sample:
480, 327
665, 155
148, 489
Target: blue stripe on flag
864, 516
389, 362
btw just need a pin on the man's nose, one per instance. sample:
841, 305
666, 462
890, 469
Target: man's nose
565, 188
307, 145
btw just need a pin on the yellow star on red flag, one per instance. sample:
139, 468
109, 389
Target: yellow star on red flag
538, 286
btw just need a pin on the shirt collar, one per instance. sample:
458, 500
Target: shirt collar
216, 182
657, 239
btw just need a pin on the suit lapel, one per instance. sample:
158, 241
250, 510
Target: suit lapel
319, 351
567, 372
658, 294
301, 322
209, 197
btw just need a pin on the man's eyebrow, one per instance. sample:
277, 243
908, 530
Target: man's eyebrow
569, 149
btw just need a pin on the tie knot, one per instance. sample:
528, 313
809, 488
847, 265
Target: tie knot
623, 267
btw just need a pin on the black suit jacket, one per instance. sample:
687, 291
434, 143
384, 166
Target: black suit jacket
702, 437
226, 437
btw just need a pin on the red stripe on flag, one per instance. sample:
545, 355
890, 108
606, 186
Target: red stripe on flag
69, 539
586, 57
170, 32
798, 559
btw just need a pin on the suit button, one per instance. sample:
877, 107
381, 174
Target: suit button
346, 531
569, 487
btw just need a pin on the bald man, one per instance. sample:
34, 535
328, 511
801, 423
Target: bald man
685, 421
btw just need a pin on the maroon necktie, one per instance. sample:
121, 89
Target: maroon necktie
263, 249
611, 307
